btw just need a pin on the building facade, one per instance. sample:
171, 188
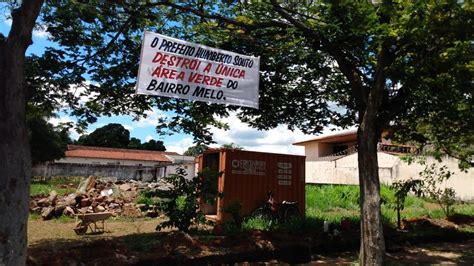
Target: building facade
332, 159
119, 164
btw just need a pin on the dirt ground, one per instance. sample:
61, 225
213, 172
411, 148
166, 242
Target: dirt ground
441, 253
41, 231
135, 241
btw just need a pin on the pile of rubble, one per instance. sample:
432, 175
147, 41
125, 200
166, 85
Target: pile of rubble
94, 196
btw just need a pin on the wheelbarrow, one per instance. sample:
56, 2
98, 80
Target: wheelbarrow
93, 221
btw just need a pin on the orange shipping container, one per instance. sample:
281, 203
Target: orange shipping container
248, 176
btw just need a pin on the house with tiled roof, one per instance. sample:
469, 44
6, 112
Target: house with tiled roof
102, 155
117, 163
332, 159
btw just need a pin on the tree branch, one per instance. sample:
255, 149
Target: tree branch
227, 20
109, 44
350, 71
376, 94
24, 19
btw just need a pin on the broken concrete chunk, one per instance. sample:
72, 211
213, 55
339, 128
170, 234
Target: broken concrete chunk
85, 202
70, 199
114, 206
53, 196
106, 192
36, 210
86, 185
68, 211
125, 187
43, 202
47, 213
58, 210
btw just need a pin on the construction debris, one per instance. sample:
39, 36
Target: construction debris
95, 196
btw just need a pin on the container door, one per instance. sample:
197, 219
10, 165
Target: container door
210, 172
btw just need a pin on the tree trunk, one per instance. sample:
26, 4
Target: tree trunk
15, 161
372, 246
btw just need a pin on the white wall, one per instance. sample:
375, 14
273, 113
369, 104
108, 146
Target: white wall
188, 167
182, 161
106, 161
462, 182
345, 171
311, 151
186, 162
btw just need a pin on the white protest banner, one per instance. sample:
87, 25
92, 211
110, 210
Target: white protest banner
175, 68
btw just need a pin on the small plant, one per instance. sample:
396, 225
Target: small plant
426, 186
181, 204
433, 177
207, 185
182, 207
402, 188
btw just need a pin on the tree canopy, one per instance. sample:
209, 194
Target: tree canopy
117, 136
308, 51
196, 150
232, 146
47, 142
378, 64
112, 136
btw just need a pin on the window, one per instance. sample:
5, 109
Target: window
339, 148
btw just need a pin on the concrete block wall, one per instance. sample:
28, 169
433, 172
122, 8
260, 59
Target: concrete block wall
345, 171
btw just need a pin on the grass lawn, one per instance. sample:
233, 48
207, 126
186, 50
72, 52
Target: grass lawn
330, 203
335, 202
62, 185
128, 238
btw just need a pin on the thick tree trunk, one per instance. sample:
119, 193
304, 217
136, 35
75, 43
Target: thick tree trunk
15, 161
372, 246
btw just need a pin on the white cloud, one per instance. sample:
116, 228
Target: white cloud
81, 92
277, 140
148, 138
128, 127
179, 146
8, 21
65, 119
39, 31
151, 120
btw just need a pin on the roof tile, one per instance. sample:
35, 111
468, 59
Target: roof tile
118, 154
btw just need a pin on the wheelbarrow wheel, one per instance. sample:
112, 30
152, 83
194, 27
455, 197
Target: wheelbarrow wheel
81, 228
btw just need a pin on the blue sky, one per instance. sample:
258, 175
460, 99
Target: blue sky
278, 140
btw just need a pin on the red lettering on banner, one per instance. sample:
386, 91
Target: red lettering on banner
162, 72
206, 80
230, 71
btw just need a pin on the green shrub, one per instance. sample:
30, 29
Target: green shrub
181, 204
